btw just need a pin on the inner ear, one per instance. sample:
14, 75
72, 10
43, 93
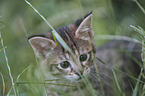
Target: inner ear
41, 45
84, 30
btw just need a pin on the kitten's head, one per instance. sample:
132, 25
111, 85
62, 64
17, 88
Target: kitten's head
79, 37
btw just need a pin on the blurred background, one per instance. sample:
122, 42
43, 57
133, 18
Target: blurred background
110, 17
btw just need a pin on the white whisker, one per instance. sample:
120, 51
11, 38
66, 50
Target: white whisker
102, 74
93, 78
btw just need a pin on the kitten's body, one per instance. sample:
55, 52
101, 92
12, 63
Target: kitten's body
58, 63
120, 56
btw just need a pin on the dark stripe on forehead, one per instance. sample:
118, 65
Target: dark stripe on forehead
63, 50
72, 42
61, 32
65, 32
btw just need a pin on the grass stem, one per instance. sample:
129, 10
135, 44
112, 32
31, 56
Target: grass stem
62, 42
3, 84
9, 69
116, 37
142, 9
24, 82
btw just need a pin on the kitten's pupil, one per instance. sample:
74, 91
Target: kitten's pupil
83, 57
65, 64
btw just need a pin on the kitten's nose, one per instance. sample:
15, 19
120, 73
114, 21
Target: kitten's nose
79, 73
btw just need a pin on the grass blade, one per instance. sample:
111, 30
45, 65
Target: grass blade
116, 37
137, 84
22, 73
142, 9
9, 69
118, 86
43, 83
3, 83
62, 42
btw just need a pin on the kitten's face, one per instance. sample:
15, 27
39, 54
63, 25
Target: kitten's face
58, 60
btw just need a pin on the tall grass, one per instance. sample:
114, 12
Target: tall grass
16, 83
142, 35
3, 84
62, 42
142, 73
139, 5
9, 69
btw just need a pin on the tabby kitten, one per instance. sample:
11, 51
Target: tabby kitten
58, 63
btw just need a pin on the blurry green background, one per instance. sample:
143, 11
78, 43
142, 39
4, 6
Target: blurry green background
112, 17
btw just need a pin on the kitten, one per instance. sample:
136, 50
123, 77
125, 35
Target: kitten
58, 63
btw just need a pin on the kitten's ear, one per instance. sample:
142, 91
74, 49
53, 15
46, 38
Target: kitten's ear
42, 46
84, 30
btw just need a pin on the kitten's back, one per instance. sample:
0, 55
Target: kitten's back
124, 58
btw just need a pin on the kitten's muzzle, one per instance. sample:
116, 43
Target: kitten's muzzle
80, 74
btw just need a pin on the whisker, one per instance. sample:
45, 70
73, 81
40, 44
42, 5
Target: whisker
103, 80
102, 74
63, 82
94, 79
96, 84
95, 75
91, 78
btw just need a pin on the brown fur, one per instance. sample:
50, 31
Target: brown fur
79, 37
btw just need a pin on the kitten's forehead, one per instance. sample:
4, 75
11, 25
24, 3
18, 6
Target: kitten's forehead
68, 34
76, 45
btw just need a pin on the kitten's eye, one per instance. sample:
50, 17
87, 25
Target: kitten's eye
83, 57
65, 64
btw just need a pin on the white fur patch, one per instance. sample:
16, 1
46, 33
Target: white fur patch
73, 77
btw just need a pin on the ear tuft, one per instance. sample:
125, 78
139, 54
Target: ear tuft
42, 46
84, 30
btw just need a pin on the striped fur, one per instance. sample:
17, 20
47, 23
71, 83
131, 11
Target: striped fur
78, 36
58, 63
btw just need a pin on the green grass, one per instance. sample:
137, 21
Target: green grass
16, 75
62, 42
